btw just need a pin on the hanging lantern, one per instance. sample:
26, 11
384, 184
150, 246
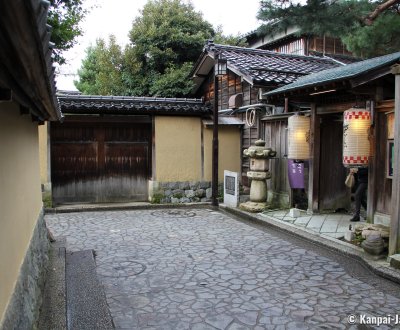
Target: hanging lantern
298, 137
356, 146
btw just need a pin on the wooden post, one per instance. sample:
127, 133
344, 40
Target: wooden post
394, 239
372, 166
215, 146
314, 163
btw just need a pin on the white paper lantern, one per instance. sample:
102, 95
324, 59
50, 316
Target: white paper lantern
298, 137
356, 145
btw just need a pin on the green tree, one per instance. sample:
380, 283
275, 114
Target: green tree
165, 41
367, 27
64, 17
167, 36
101, 70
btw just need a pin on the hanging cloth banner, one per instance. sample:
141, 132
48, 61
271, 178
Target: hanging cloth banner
296, 174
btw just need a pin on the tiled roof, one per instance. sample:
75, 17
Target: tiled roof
340, 73
345, 59
267, 67
84, 104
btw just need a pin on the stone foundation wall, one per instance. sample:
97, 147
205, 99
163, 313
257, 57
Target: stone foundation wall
180, 192
23, 309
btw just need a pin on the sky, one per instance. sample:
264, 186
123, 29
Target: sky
116, 16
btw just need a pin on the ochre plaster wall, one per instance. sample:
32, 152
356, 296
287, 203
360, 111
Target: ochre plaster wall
177, 149
229, 151
43, 153
20, 195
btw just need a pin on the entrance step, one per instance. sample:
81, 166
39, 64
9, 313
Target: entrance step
86, 302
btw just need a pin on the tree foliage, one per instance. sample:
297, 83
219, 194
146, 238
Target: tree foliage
165, 40
101, 71
367, 27
64, 17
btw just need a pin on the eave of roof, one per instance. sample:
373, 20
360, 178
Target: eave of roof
261, 67
25, 57
338, 74
130, 105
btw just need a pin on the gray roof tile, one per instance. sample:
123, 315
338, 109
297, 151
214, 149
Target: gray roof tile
85, 104
266, 67
339, 73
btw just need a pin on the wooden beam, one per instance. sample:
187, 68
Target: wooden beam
394, 239
314, 163
373, 163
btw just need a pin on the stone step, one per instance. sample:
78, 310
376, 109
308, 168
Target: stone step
86, 301
53, 310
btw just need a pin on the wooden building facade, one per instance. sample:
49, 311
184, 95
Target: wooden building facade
371, 85
252, 72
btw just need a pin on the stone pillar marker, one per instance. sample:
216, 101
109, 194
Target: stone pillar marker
259, 172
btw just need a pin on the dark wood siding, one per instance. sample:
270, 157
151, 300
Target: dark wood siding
383, 184
100, 161
276, 138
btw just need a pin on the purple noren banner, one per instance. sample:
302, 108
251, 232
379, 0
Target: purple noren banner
296, 174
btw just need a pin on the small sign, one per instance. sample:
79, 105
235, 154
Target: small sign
390, 158
230, 185
296, 174
231, 188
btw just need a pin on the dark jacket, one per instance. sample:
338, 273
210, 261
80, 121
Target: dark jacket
362, 175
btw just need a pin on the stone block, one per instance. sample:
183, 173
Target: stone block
200, 193
184, 185
205, 184
175, 200
166, 200
194, 185
168, 193
178, 193
189, 193
208, 192
294, 213
173, 185
349, 235
394, 261
185, 200
196, 199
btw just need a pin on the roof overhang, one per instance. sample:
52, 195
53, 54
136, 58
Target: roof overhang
350, 77
205, 65
25, 57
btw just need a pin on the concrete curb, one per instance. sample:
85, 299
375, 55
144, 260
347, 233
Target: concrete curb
121, 207
378, 267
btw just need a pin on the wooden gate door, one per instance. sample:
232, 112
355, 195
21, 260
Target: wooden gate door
100, 161
333, 194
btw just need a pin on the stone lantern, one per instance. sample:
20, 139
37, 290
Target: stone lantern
259, 172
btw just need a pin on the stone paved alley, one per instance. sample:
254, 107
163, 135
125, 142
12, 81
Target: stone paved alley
203, 269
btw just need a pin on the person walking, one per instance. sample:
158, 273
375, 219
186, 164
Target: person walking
361, 176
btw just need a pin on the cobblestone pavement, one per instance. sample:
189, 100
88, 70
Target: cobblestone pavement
202, 269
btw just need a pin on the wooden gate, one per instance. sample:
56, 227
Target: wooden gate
333, 194
100, 161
